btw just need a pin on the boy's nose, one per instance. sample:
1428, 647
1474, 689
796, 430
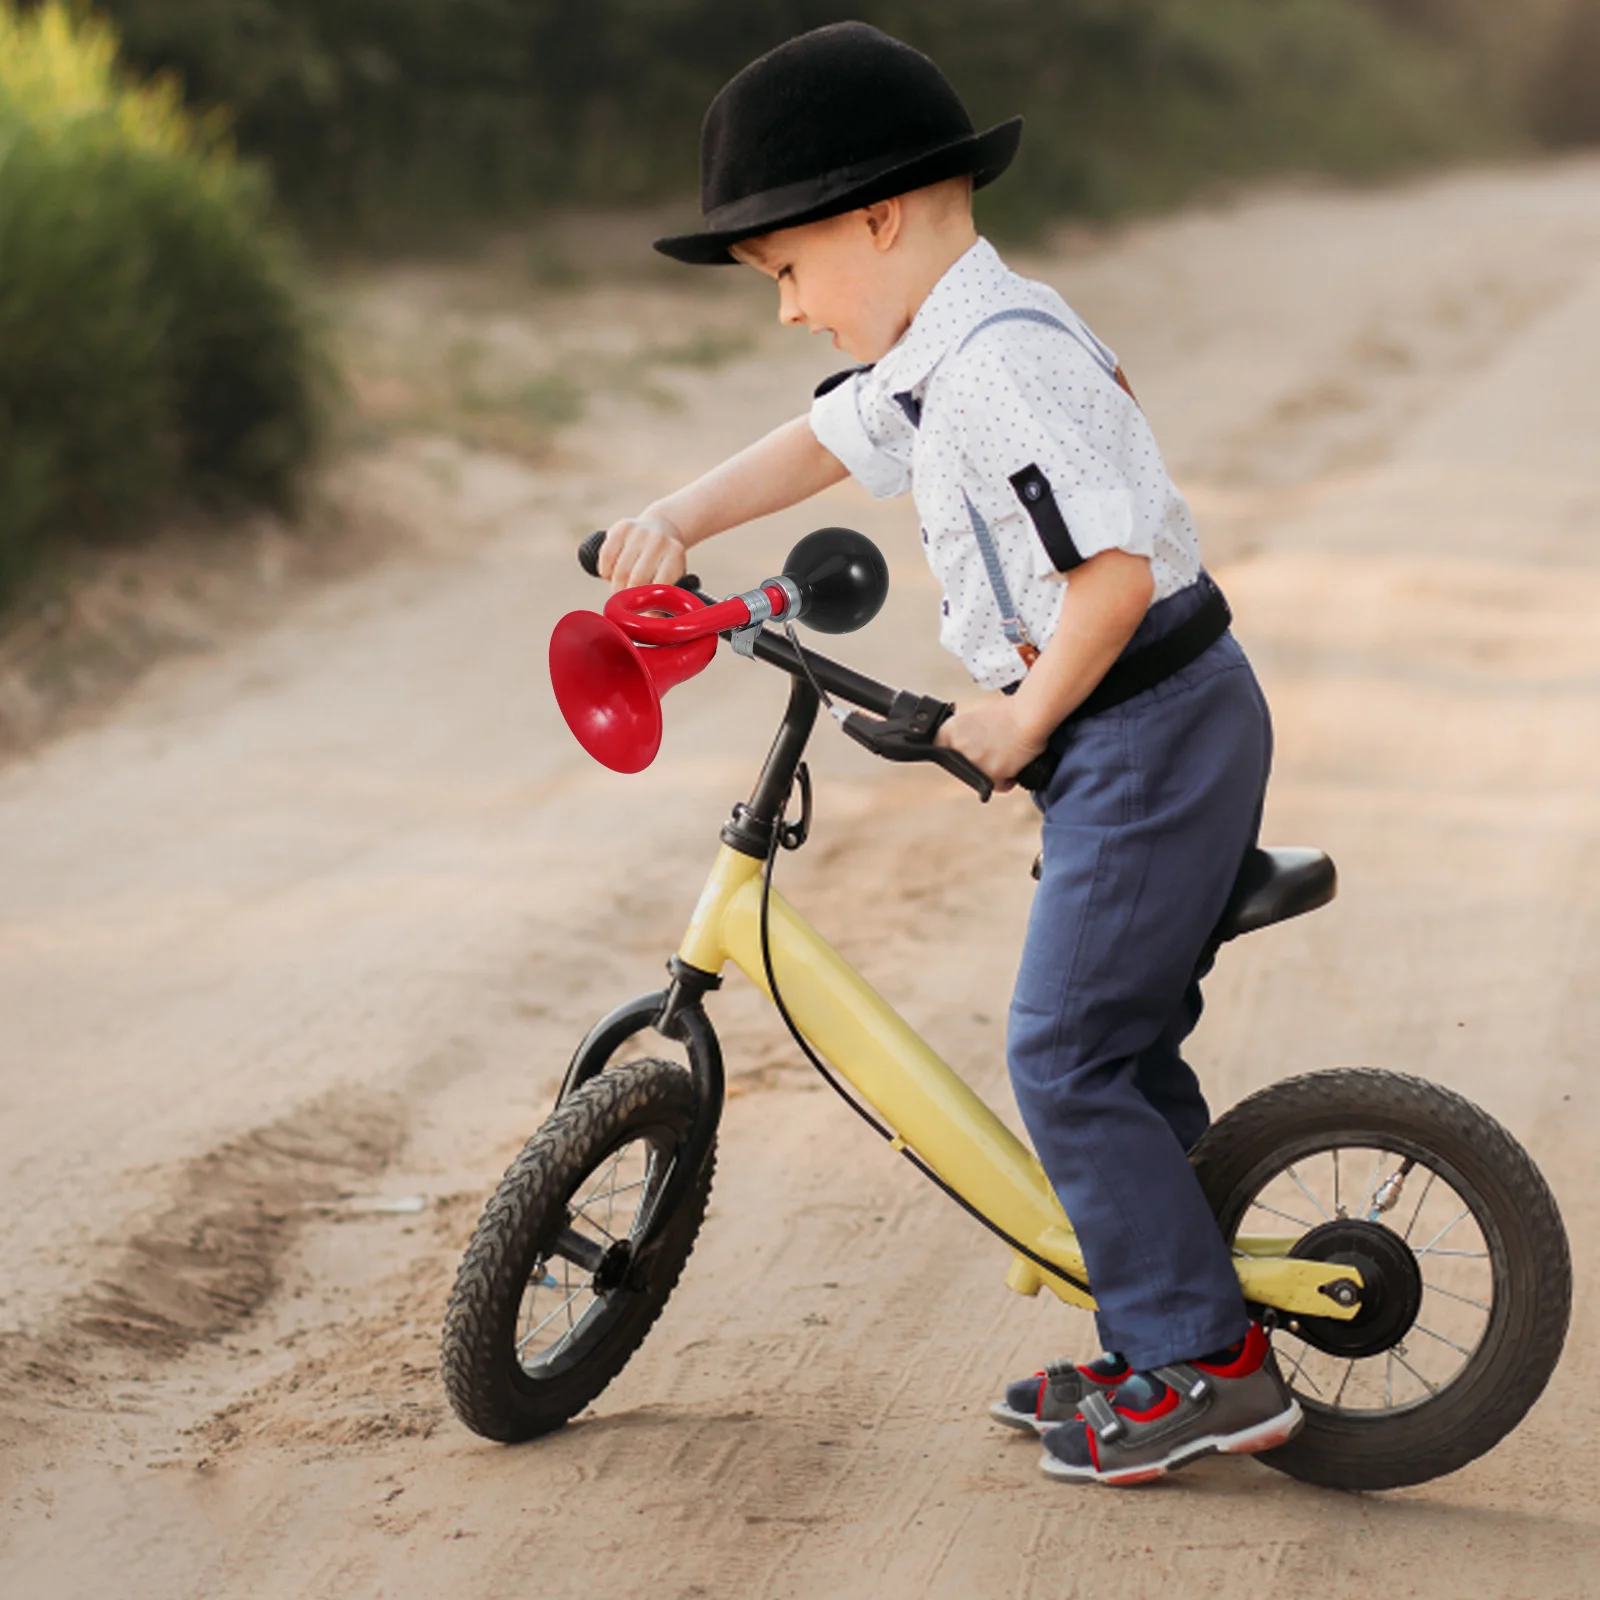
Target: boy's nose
789, 312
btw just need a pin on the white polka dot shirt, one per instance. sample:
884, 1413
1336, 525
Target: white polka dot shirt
1028, 424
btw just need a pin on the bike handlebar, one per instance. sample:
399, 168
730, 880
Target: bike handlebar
589, 560
901, 725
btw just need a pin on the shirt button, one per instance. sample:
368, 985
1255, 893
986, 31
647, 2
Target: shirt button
1034, 489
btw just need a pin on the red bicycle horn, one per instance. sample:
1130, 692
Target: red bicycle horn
609, 688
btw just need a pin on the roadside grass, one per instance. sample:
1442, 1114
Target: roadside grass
494, 355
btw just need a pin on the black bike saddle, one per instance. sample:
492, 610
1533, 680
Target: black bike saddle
1274, 885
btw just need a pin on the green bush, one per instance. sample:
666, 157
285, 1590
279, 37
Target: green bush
154, 339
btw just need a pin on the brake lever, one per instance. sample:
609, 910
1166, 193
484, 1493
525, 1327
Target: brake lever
907, 734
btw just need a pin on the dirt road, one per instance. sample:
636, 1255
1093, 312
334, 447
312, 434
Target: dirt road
293, 948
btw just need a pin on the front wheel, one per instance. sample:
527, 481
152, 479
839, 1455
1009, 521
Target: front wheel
1457, 1239
554, 1294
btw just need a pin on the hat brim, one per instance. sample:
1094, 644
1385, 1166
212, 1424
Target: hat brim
983, 156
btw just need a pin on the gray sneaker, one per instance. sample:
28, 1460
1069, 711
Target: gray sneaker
1053, 1396
1162, 1420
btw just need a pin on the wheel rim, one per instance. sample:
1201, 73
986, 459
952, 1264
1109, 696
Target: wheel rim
566, 1306
1377, 1201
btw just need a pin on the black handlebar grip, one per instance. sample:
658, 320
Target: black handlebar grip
1038, 772
589, 560
589, 553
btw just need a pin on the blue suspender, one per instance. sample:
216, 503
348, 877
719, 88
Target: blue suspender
1010, 622
1046, 319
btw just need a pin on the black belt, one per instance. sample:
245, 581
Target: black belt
1133, 673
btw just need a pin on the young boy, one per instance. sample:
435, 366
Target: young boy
842, 165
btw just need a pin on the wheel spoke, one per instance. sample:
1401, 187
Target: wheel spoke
1461, 1215
1450, 1294
1339, 1393
1421, 1201
626, 1188
645, 1215
1300, 1369
1432, 1388
532, 1332
611, 1197
599, 1227
1299, 1222
607, 1181
1295, 1178
1460, 1255
1441, 1338
1338, 1210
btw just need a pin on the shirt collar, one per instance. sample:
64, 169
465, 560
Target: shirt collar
973, 287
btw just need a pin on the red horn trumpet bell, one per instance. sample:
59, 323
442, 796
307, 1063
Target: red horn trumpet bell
609, 688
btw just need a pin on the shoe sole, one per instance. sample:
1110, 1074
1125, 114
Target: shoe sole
1266, 1435
1022, 1421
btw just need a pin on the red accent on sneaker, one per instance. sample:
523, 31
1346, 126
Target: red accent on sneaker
1167, 1402
1252, 1352
1038, 1399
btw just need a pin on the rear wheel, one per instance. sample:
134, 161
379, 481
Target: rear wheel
553, 1295
1457, 1239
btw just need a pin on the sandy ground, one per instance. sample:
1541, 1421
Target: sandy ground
309, 926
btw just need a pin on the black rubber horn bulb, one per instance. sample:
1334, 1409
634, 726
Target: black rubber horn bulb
842, 576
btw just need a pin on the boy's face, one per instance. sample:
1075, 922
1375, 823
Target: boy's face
836, 276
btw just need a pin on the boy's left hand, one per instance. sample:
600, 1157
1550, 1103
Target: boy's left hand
992, 738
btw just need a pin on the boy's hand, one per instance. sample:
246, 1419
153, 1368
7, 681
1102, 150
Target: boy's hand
643, 549
992, 738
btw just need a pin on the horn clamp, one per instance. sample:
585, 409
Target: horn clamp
630, 610
760, 602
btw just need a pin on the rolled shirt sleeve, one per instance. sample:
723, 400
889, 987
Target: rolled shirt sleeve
867, 433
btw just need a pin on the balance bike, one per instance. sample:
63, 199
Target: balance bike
1402, 1247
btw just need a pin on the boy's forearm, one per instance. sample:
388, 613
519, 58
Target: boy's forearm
778, 471
1103, 606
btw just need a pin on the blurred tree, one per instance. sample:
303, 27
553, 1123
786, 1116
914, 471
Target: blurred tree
1565, 98
369, 110
1498, 48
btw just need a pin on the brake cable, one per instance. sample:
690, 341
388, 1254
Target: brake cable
781, 836
828, 702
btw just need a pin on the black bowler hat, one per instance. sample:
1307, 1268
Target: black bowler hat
834, 119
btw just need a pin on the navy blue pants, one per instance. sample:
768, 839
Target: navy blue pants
1146, 822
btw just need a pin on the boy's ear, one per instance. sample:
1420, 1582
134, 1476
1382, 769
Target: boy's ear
884, 221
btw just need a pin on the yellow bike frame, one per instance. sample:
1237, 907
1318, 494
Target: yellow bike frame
931, 1110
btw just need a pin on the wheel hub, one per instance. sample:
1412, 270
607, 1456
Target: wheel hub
1391, 1293
612, 1272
